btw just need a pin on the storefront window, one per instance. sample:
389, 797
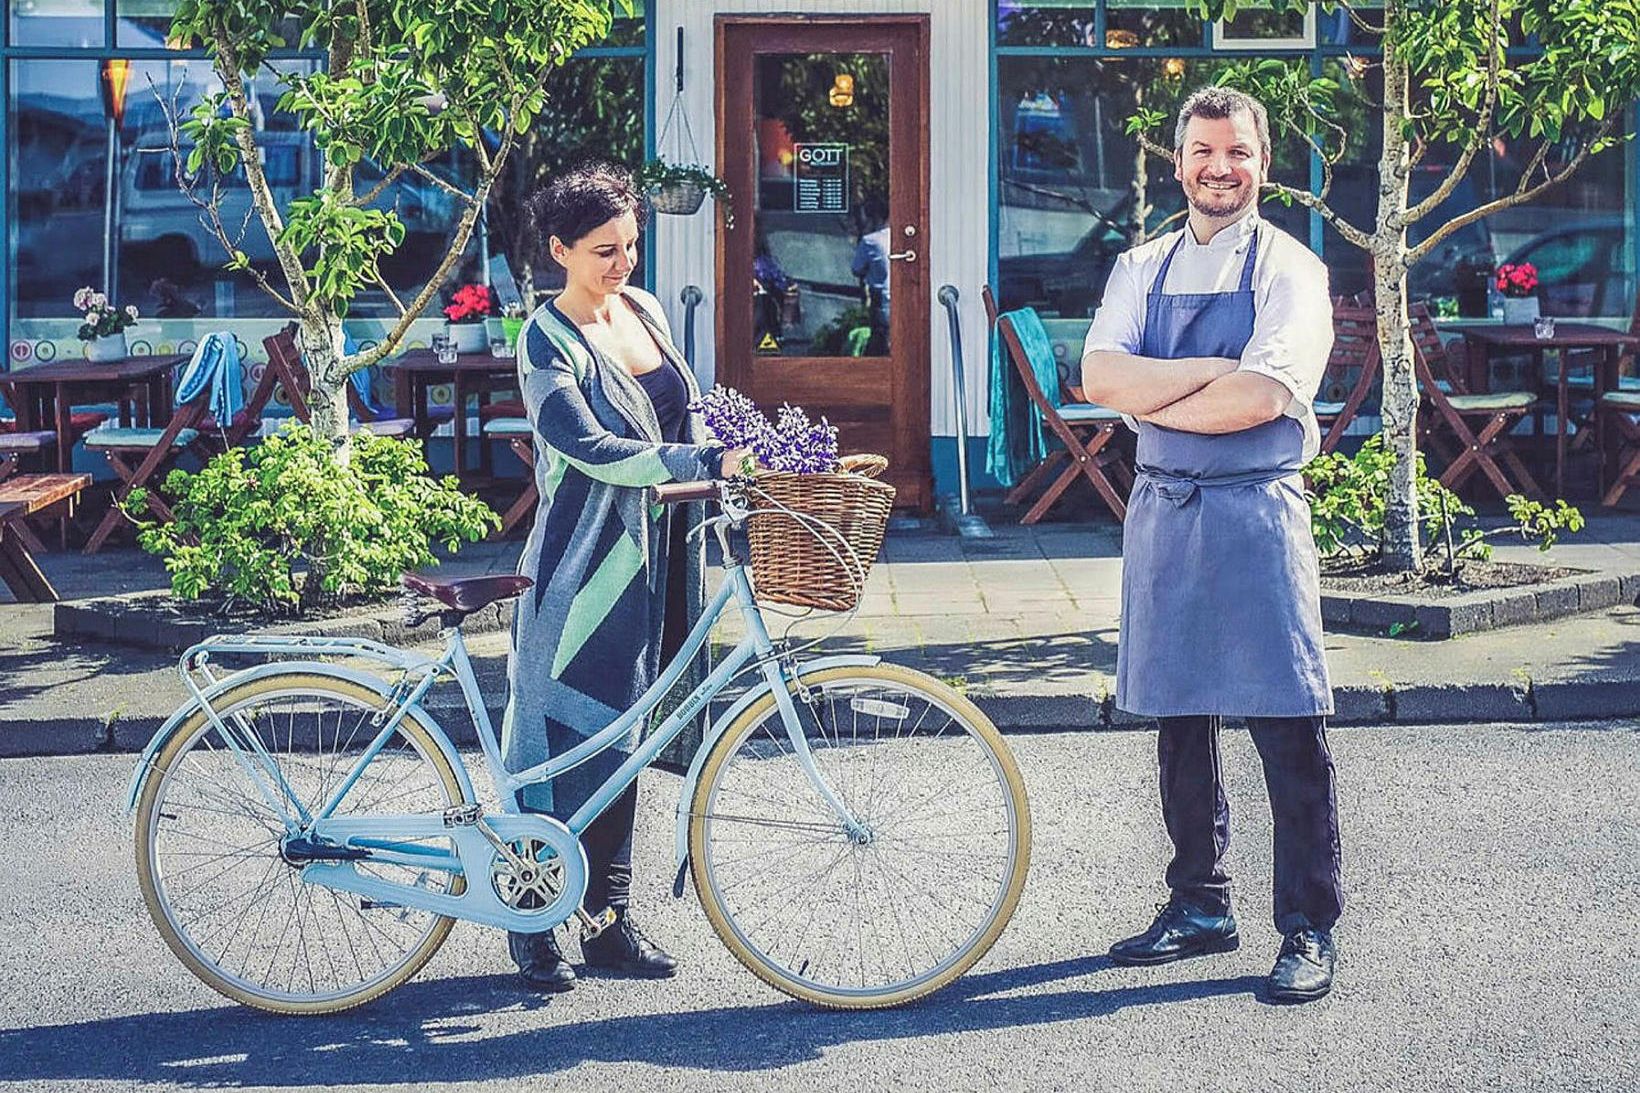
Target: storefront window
1140, 23
1045, 23
1076, 191
75, 24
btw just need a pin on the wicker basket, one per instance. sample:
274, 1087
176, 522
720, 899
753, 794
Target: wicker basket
791, 562
678, 198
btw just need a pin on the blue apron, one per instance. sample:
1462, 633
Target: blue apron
1221, 606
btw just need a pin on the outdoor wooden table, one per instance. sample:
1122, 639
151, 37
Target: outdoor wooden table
1481, 342
47, 393
471, 374
21, 497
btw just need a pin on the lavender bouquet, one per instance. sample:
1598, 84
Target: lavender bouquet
791, 443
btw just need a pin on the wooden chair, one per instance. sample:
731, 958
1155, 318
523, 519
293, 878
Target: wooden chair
1354, 349
140, 456
28, 496
286, 365
1472, 431
520, 437
1618, 415
1084, 429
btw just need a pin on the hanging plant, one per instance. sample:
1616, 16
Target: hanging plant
679, 189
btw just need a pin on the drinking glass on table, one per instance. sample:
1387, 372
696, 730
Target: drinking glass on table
444, 350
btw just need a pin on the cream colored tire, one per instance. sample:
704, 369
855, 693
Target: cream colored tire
195, 733
757, 735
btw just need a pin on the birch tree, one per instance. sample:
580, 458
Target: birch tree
404, 83
1457, 75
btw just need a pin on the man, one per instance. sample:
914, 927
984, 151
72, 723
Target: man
1213, 341
870, 265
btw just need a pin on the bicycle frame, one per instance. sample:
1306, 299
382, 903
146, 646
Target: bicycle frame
421, 672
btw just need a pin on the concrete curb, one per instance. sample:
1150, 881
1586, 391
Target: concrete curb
1473, 703
1435, 619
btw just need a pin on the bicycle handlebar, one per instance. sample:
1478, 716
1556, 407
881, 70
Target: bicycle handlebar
672, 493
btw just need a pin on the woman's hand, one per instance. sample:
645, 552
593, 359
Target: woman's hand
738, 462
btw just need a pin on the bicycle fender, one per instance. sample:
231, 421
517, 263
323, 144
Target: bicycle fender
720, 726
145, 764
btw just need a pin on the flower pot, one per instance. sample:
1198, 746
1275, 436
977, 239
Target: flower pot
511, 329
113, 347
678, 198
468, 337
1520, 309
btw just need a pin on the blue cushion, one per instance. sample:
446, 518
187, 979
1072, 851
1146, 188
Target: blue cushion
1328, 409
508, 426
112, 436
1087, 411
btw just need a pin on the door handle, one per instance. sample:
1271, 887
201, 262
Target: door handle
903, 256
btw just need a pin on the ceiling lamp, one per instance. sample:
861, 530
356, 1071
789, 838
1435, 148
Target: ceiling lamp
1173, 68
842, 90
1117, 38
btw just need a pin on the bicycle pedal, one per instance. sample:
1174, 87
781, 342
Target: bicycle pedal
593, 925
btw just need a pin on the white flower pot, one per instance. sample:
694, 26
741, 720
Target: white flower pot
1520, 309
110, 348
468, 337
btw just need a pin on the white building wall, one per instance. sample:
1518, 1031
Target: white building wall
959, 144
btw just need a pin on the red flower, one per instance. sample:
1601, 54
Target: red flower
1518, 281
469, 302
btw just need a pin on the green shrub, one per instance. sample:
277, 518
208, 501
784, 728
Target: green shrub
255, 518
1348, 496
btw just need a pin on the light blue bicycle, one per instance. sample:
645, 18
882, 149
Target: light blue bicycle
858, 832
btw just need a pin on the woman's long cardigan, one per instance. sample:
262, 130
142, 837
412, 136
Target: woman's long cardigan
586, 637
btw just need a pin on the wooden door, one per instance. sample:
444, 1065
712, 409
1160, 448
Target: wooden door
823, 292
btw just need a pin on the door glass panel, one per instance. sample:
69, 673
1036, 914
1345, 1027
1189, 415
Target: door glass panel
820, 275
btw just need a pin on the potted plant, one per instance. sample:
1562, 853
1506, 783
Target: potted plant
513, 317
466, 312
102, 325
1518, 283
678, 189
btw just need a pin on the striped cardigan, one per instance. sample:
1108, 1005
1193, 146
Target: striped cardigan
586, 637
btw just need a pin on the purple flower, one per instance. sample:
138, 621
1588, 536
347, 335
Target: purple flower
793, 443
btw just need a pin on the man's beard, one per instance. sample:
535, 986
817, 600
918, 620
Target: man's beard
1220, 212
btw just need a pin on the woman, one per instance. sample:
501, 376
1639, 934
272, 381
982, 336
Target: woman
615, 584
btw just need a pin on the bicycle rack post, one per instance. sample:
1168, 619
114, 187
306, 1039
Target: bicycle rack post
968, 525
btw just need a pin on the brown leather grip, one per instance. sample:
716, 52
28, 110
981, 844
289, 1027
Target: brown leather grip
673, 493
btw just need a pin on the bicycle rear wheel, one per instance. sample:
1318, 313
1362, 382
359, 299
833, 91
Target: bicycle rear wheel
903, 908
209, 858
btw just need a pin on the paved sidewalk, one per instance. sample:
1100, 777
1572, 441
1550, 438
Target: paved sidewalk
1025, 623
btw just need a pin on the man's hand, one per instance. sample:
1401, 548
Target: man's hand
1142, 385
1229, 404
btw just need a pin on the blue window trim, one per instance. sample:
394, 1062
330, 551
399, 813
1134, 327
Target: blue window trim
9, 53
1317, 56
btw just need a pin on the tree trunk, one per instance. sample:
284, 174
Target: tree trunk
322, 349
1400, 550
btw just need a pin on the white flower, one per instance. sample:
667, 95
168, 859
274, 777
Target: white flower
82, 299
93, 317
99, 300
131, 312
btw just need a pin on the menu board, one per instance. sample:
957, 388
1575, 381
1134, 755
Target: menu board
821, 173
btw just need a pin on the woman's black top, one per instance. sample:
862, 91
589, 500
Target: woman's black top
670, 398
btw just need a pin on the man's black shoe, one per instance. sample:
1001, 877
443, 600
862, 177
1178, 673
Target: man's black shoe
1304, 970
1180, 930
624, 950
541, 962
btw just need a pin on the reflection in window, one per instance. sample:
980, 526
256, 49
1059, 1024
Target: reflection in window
1045, 23
73, 23
1131, 23
1076, 191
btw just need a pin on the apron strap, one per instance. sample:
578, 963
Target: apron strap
1247, 267
1167, 264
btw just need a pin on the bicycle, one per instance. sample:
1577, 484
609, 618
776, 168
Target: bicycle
857, 832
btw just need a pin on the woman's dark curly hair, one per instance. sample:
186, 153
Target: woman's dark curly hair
572, 204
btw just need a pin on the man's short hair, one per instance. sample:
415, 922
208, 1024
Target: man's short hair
1223, 102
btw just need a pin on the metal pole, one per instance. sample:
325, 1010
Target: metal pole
691, 297
948, 296
110, 188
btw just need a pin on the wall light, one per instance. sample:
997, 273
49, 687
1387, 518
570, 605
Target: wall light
842, 90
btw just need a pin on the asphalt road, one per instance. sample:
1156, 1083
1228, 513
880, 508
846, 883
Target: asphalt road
1489, 945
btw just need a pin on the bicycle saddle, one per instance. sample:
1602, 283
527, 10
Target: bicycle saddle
467, 594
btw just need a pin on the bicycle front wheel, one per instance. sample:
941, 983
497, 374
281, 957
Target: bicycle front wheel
891, 912
209, 841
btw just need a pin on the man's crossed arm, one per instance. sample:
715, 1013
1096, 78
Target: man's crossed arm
1193, 394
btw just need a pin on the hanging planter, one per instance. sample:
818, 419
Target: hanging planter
681, 189
680, 186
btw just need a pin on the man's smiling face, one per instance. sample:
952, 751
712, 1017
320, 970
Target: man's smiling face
1221, 165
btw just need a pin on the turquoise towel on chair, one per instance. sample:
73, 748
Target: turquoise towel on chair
214, 365
1016, 443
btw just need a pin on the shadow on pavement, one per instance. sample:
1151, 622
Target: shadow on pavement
417, 1034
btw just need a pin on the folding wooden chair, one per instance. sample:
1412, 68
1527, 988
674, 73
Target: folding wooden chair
1619, 423
138, 457
520, 437
1082, 428
286, 365
1472, 431
1354, 351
